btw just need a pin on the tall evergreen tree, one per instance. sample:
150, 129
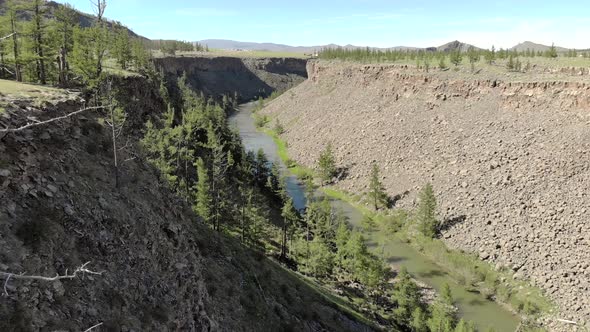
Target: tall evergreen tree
327, 164
203, 206
12, 8
289, 215
121, 47
426, 215
39, 43
407, 296
64, 25
377, 193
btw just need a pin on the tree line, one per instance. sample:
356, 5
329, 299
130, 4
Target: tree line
433, 56
171, 47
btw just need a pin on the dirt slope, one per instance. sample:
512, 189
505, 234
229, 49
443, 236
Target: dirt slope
164, 270
512, 158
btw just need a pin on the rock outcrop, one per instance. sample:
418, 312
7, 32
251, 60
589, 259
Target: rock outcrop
510, 158
249, 77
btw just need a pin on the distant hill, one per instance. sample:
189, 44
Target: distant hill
455, 45
528, 45
225, 44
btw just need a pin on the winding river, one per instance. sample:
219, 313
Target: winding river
472, 306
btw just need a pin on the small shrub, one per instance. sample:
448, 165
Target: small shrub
260, 121
279, 129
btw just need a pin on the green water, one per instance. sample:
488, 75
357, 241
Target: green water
472, 306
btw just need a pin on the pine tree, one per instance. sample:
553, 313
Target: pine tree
377, 193
327, 164
443, 317
39, 44
426, 214
121, 49
473, 56
456, 57
90, 45
510, 64
419, 319
464, 326
64, 21
321, 259
203, 206
12, 8
441, 63
289, 215
261, 170
342, 238
407, 296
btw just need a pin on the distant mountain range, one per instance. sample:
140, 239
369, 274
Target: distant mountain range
250, 46
527, 45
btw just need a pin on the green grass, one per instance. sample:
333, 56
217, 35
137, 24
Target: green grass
23, 90
112, 67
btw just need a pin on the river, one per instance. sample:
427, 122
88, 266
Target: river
472, 306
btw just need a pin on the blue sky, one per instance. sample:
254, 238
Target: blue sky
379, 23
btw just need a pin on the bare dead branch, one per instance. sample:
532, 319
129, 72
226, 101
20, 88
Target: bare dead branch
82, 269
6, 37
39, 123
93, 327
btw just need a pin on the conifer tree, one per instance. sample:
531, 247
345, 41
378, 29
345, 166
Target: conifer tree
441, 62
377, 193
65, 21
12, 8
456, 57
203, 206
289, 215
426, 214
121, 49
419, 319
327, 164
443, 317
407, 296
39, 43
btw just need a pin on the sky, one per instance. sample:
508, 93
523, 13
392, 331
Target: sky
377, 23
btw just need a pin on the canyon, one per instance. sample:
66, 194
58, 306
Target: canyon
507, 155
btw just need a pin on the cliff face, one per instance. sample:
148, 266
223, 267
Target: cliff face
509, 158
248, 77
164, 270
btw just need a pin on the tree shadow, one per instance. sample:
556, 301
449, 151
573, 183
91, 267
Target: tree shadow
451, 222
431, 274
392, 201
394, 259
343, 172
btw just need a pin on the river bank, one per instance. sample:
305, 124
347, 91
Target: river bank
472, 305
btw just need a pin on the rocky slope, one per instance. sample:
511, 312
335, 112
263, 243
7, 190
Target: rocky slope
249, 77
163, 269
511, 158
